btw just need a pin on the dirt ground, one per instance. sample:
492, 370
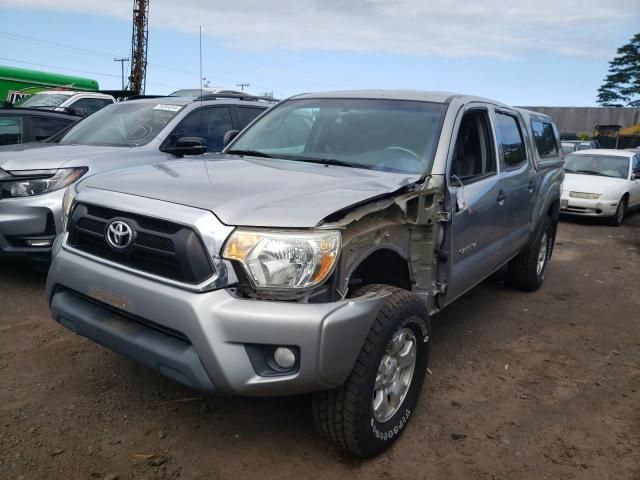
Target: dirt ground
522, 386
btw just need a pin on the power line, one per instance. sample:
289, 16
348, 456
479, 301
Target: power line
80, 71
88, 51
59, 68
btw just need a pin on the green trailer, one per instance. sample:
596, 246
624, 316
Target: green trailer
17, 83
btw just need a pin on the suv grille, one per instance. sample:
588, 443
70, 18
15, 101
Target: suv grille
160, 247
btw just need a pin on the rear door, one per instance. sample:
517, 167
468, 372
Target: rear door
517, 176
479, 201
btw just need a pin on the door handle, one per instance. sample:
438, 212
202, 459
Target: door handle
502, 196
532, 185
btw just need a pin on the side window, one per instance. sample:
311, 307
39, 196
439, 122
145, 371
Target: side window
474, 153
10, 130
208, 123
87, 106
45, 127
545, 138
246, 115
635, 166
510, 138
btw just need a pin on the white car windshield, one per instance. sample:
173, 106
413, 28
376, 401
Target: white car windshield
603, 165
43, 100
385, 135
122, 124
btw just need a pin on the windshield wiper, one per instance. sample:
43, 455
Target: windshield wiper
333, 161
569, 170
588, 172
250, 153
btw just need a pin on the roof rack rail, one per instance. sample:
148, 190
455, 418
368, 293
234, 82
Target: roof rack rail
141, 97
237, 96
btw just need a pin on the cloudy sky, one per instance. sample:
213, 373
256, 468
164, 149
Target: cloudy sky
546, 52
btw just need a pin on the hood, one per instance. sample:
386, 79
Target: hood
21, 147
254, 192
591, 183
56, 156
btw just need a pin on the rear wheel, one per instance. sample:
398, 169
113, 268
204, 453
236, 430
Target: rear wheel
527, 270
621, 211
370, 411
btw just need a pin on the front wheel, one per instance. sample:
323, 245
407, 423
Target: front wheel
621, 211
370, 411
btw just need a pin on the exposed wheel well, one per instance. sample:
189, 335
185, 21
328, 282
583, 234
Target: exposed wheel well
382, 266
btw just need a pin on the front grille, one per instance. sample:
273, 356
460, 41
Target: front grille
160, 247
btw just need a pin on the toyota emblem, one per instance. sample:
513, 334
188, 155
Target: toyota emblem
119, 235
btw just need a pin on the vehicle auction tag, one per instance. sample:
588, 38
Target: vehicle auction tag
168, 108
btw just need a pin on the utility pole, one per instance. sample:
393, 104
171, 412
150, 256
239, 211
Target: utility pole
242, 85
139, 36
121, 60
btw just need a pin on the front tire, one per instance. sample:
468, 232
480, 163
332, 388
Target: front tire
621, 211
527, 270
367, 414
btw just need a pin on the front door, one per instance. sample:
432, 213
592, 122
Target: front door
478, 202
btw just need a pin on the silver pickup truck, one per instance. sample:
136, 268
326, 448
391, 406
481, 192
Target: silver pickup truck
310, 255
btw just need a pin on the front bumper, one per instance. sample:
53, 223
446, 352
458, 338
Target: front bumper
28, 225
586, 207
202, 339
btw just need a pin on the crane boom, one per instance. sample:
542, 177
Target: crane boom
138, 76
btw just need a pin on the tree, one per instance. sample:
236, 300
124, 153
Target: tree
622, 85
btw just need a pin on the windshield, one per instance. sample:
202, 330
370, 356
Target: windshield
603, 165
568, 148
43, 100
386, 135
127, 124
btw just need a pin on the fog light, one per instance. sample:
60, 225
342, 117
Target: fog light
284, 357
39, 243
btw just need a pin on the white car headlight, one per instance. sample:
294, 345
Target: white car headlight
588, 196
284, 259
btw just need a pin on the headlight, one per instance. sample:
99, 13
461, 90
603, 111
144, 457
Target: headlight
588, 196
67, 203
284, 260
28, 183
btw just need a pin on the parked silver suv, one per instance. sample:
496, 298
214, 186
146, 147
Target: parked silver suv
130, 133
310, 255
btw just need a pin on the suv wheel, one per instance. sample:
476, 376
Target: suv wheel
527, 270
370, 411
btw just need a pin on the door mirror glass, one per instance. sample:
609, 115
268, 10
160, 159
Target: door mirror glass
187, 146
229, 136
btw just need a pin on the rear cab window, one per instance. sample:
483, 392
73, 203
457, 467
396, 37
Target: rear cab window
544, 137
513, 152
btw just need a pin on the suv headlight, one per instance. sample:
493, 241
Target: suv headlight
284, 259
28, 183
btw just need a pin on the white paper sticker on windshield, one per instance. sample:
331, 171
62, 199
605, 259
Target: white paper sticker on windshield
168, 108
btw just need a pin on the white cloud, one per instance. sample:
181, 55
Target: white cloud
462, 28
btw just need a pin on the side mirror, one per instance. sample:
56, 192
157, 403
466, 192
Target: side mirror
635, 175
229, 136
187, 146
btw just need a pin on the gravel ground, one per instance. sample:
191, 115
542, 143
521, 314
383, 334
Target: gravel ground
522, 386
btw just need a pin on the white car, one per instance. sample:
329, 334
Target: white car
78, 102
601, 183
